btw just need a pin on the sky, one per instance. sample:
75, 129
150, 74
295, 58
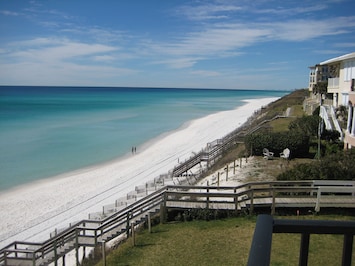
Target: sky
221, 44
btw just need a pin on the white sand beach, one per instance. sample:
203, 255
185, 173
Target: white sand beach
31, 212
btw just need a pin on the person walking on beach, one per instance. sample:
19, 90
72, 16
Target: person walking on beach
134, 150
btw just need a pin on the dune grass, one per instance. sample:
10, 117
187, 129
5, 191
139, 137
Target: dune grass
221, 242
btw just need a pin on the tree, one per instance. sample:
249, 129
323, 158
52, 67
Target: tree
306, 125
320, 87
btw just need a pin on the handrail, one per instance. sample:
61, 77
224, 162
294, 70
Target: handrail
266, 225
218, 147
93, 232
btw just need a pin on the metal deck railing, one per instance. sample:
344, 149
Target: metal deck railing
266, 226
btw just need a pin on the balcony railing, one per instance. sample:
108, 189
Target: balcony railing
266, 225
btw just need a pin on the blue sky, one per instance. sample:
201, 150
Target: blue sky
261, 44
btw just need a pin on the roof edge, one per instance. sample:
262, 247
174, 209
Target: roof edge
339, 58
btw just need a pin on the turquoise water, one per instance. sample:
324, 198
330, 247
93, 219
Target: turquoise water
45, 131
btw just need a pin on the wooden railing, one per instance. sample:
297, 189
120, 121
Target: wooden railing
245, 198
215, 149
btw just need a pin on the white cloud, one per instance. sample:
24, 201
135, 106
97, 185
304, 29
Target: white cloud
104, 58
51, 61
212, 42
345, 44
54, 50
177, 63
302, 30
290, 11
228, 40
208, 11
218, 10
9, 13
327, 52
205, 73
33, 73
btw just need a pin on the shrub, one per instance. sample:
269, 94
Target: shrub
306, 125
305, 171
277, 142
338, 166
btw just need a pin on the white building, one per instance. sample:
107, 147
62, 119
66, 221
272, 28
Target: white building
317, 74
341, 85
342, 73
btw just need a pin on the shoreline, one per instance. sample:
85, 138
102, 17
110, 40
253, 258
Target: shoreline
55, 202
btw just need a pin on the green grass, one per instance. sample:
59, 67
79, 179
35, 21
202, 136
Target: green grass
221, 242
281, 124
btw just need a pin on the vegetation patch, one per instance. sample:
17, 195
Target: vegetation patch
222, 242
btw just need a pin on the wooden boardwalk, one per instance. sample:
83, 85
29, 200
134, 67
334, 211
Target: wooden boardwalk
215, 149
246, 198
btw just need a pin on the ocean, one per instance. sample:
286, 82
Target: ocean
47, 131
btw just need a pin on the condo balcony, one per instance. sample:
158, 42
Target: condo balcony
333, 85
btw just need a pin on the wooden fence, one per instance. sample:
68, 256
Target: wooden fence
245, 198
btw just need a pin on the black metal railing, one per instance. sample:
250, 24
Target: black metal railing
266, 225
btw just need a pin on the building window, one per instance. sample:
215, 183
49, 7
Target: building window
349, 70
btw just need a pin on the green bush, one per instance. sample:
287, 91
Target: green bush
306, 125
337, 166
305, 171
277, 142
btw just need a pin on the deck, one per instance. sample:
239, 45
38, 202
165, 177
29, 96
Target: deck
246, 198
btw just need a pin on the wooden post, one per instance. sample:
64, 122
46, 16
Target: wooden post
149, 223
236, 200
218, 179
104, 252
127, 225
317, 208
252, 202
273, 202
77, 247
63, 261
33, 259
208, 198
227, 166
163, 209
55, 252
240, 162
84, 252
133, 235
234, 167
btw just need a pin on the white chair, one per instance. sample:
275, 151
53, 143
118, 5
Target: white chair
268, 154
285, 154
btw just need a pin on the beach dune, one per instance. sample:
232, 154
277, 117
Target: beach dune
31, 212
